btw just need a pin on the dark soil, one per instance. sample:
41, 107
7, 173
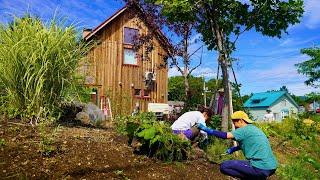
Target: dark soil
87, 153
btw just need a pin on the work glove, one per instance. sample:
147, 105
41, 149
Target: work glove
202, 127
212, 132
232, 149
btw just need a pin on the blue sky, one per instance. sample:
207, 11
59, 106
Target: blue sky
264, 63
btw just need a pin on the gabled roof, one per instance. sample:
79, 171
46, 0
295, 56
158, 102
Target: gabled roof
162, 38
267, 99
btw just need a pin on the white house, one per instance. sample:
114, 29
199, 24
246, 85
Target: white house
280, 103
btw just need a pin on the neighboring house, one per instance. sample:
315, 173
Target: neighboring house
313, 106
117, 70
280, 103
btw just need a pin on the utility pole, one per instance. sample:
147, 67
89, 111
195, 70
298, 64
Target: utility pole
204, 91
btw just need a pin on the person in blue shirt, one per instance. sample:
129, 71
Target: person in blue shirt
260, 161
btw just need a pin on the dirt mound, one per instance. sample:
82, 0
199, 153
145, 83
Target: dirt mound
88, 153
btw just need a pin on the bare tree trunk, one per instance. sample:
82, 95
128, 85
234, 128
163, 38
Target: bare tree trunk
186, 68
223, 60
227, 99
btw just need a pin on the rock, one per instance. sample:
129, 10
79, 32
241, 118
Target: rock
91, 114
83, 117
94, 112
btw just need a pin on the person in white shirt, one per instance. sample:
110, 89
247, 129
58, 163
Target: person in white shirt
186, 123
269, 116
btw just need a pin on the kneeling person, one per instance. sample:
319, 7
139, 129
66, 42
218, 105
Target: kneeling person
260, 161
186, 123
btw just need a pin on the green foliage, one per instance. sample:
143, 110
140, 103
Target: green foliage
271, 18
215, 122
156, 137
310, 68
299, 168
290, 128
176, 90
2, 142
216, 151
47, 145
38, 65
304, 131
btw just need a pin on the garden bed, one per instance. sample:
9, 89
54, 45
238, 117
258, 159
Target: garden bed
87, 153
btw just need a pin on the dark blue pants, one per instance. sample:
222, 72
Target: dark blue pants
243, 170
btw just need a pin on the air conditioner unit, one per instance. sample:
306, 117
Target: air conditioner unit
150, 76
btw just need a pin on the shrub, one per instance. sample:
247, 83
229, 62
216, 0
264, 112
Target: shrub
215, 122
156, 137
38, 66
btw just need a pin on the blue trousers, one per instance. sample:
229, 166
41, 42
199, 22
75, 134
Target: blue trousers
243, 170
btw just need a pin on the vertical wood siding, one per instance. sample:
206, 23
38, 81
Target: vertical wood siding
115, 78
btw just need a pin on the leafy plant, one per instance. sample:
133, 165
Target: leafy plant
156, 138
47, 145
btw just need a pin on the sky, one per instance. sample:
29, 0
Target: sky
263, 64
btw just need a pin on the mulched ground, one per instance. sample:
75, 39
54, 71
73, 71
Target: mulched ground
87, 153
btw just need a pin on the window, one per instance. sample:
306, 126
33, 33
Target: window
129, 35
146, 93
137, 92
130, 57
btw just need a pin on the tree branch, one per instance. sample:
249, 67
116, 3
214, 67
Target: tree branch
198, 64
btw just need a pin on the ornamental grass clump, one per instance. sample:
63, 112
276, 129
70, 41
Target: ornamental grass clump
38, 65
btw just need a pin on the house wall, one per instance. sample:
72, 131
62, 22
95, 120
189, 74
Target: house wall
258, 114
277, 109
281, 105
118, 81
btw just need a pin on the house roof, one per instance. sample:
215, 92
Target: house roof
163, 39
267, 99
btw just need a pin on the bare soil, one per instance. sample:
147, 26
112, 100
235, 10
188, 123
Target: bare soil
87, 153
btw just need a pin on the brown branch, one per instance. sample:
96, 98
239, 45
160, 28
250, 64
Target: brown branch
198, 64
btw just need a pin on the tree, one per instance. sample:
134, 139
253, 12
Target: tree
313, 97
183, 29
284, 88
221, 22
311, 68
176, 90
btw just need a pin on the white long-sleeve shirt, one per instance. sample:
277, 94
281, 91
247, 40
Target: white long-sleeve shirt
187, 120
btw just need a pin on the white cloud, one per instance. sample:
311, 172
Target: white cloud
312, 13
174, 72
207, 72
300, 88
274, 75
297, 41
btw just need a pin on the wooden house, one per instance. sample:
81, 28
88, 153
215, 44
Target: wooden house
129, 77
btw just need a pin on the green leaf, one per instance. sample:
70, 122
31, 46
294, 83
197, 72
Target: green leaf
147, 134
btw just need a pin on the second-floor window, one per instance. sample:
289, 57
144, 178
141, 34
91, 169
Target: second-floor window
130, 35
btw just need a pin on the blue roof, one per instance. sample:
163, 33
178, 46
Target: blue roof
265, 99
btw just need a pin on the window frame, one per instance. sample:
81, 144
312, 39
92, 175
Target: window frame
124, 34
140, 93
135, 57
143, 94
